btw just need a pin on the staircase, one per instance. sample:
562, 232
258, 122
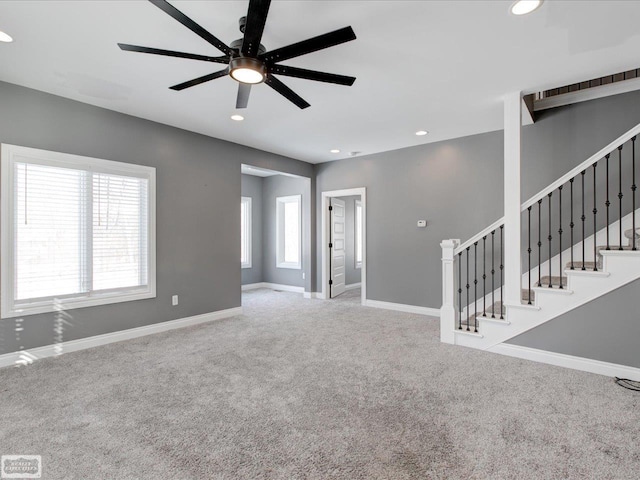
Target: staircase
564, 265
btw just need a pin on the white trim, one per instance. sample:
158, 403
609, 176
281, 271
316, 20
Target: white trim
247, 231
587, 94
280, 203
311, 295
8, 308
568, 361
273, 286
353, 286
401, 307
356, 237
29, 356
324, 206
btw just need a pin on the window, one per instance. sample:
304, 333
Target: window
245, 232
358, 234
76, 231
288, 232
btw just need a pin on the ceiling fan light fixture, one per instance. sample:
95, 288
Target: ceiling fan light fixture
523, 7
247, 70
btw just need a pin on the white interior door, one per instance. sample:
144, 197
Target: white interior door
337, 248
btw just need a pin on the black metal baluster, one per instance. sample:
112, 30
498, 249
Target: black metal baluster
583, 218
460, 291
595, 223
550, 238
560, 232
493, 271
620, 192
529, 252
484, 276
501, 274
572, 224
539, 243
607, 203
468, 289
475, 287
633, 192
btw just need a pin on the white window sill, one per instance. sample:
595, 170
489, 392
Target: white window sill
292, 266
62, 304
245, 266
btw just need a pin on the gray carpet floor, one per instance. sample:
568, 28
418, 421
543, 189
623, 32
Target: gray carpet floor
311, 389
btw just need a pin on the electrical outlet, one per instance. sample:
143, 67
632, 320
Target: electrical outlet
174, 300
303, 275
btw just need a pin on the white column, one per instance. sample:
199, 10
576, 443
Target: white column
512, 158
448, 309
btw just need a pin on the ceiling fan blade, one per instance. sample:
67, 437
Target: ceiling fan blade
314, 44
244, 89
171, 53
286, 92
311, 75
256, 18
191, 25
199, 80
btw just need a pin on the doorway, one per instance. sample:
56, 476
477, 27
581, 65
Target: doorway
337, 253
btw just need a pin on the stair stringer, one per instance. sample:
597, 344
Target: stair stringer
619, 268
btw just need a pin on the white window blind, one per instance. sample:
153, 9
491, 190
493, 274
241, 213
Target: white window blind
245, 232
119, 231
76, 231
48, 231
358, 234
289, 232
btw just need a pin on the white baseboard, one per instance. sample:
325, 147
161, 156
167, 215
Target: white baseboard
26, 357
568, 361
353, 286
312, 295
400, 307
273, 286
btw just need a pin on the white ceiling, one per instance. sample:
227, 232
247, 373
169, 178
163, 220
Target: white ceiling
440, 66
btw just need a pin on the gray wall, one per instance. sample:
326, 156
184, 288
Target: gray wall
456, 185
352, 274
282, 186
198, 191
252, 187
606, 329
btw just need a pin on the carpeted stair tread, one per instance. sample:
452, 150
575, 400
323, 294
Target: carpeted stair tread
587, 265
614, 247
555, 281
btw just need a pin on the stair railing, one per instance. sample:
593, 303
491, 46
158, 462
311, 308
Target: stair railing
462, 260
584, 201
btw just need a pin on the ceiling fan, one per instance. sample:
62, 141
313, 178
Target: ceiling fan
247, 60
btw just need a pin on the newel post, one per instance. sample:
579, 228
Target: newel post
448, 309
512, 200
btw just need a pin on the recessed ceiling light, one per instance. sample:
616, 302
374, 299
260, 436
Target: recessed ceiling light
5, 37
522, 7
420, 133
335, 150
237, 118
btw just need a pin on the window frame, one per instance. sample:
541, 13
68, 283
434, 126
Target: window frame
280, 254
246, 230
12, 154
357, 237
